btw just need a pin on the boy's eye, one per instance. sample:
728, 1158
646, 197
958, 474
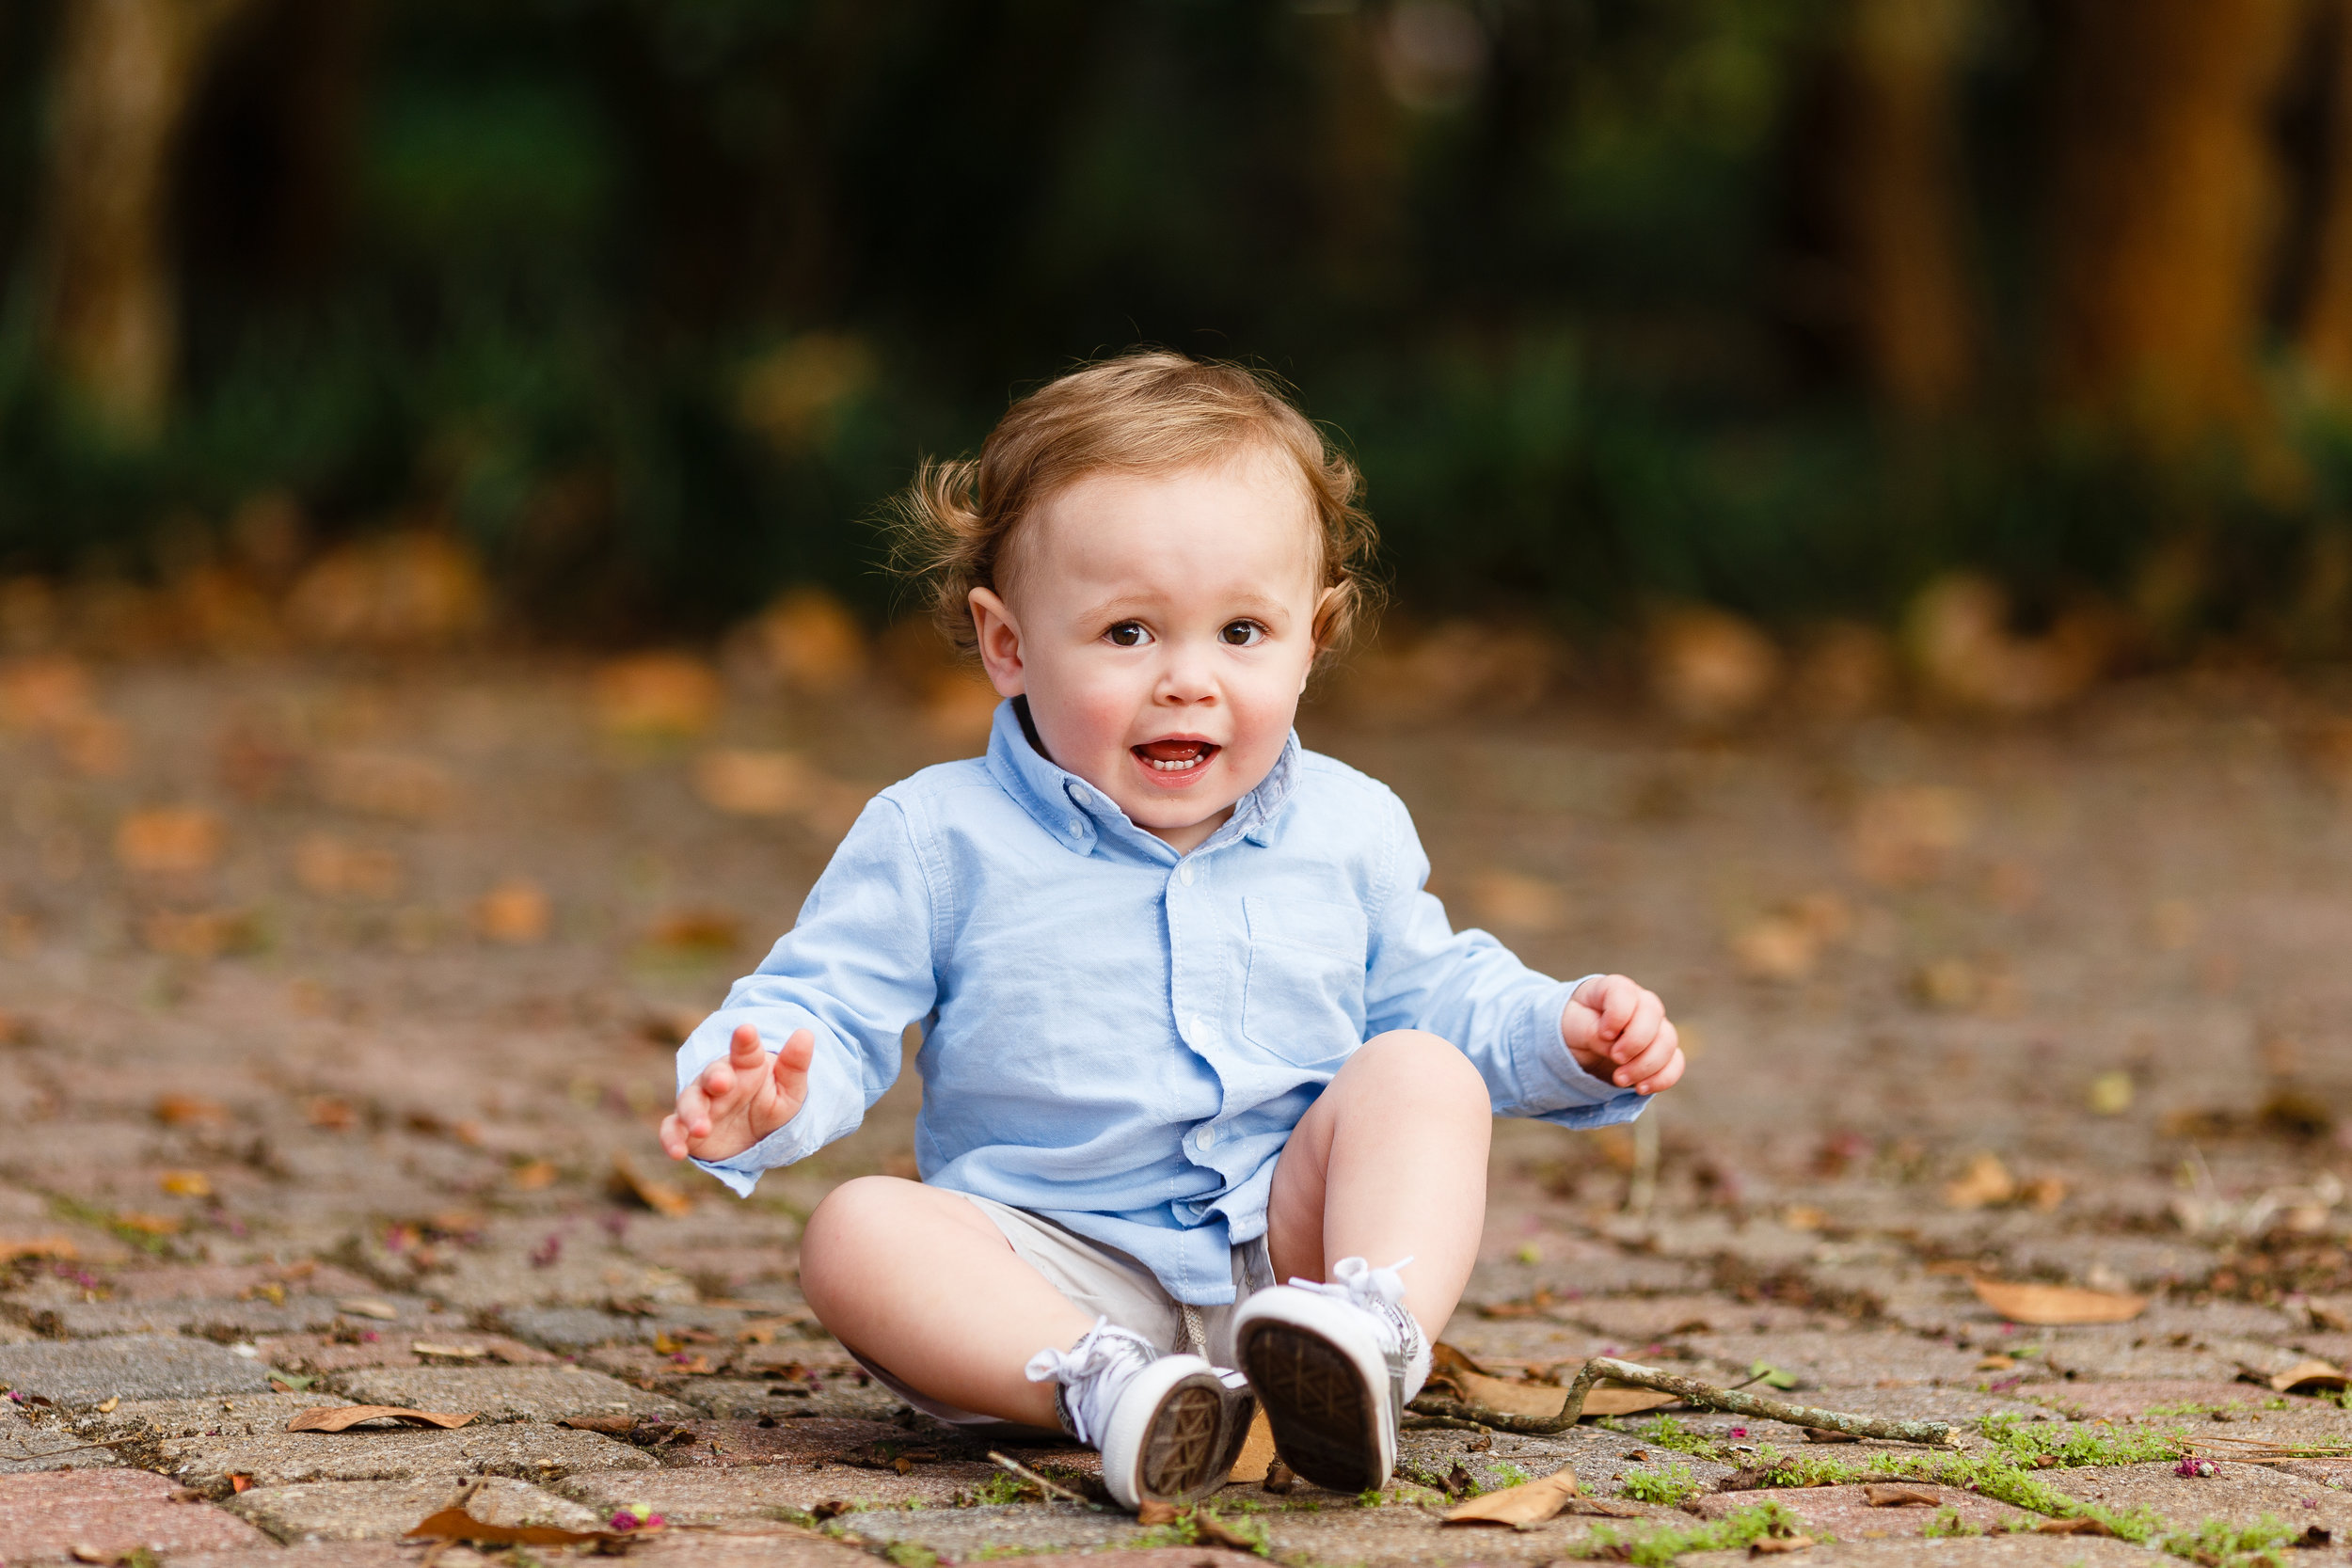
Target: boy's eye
1241, 634
1128, 634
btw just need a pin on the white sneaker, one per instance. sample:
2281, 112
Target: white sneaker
1168, 1427
1334, 1366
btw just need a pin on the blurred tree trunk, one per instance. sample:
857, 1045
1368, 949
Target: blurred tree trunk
2326, 338
2163, 205
1895, 200
125, 71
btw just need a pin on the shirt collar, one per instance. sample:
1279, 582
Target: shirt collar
1076, 813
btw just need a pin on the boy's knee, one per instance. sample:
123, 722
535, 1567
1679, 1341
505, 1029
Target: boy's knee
1428, 1067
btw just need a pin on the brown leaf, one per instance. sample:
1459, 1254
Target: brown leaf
1899, 1496
516, 912
2079, 1526
455, 1524
1824, 1434
168, 839
1153, 1512
1472, 1383
2053, 1306
657, 696
1257, 1452
60, 1248
1216, 1533
185, 1183
1773, 1545
2309, 1377
368, 1306
1986, 1181
1529, 1503
1607, 1507
660, 1197
186, 1110
340, 1418
611, 1426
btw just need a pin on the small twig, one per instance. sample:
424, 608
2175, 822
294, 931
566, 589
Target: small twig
51, 1453
1418, 1422
1691, 1391
1049, 1488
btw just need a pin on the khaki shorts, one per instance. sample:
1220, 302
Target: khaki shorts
1104, 1282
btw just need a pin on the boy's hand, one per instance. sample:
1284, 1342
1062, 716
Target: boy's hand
1618, 1031
738, 1101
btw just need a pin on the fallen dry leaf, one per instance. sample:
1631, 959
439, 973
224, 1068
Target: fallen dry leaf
1153, 1512
333, 868
706, 931
204, 934
1908, 834
657, 696
1771, 1545
1216, 1533
533, 1174
1824, 1434
2056, 1305
57, 1249
516, 912
108, 1405
169, 840
368, 1306
411, 588
1474, 1385
1529, 1503
185, 1183
1257, 1452
1776, 948
1899, 1496
2079, 1526
337, 1417
148, 1225
660, 1197
746, 782
1986, 1181
384, 783
186, 1110
1708, 666
2308, 1377
456, 1523
810, 642
610, 1426
1958, 635
450, 1353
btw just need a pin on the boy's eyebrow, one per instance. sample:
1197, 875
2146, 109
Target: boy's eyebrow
1253, 604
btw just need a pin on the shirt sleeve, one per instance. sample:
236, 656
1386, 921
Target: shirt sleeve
1469, 988
856, 968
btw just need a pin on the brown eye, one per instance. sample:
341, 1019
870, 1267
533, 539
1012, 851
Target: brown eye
1127, 634
1241, 634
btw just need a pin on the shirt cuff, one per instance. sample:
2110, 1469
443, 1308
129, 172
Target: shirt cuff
787, 1144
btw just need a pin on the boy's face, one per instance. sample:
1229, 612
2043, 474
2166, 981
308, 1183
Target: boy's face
1162, 628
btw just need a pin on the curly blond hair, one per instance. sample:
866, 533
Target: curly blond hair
1143, 412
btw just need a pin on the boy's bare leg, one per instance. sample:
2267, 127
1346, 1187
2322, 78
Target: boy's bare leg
1389, 1162
922, 1282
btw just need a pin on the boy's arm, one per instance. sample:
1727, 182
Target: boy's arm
855, 969
1469, 988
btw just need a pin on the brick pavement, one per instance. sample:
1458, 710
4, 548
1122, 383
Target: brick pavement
368, 1153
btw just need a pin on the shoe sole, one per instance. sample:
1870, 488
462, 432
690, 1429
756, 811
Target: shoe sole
1184, 1444
1326, 1422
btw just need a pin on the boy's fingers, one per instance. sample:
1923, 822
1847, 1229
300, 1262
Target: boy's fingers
1651, 1063
1641, 1028
717, 1081
1618, 1002
1666, 1077
673, 1137
743, 1048
792, 1059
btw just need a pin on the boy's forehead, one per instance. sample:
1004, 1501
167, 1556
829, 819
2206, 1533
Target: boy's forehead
1250, 515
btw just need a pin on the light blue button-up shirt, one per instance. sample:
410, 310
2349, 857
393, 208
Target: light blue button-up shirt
1117, 1037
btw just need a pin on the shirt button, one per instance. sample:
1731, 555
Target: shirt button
1077, 832
1208, 1137
1184, 874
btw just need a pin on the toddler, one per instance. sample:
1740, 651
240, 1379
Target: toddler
1191, 1022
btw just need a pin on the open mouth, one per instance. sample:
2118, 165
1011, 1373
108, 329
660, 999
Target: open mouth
1175, 755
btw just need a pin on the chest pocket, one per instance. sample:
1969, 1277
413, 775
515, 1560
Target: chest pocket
1304, 998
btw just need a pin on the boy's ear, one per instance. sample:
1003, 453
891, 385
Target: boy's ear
999, 637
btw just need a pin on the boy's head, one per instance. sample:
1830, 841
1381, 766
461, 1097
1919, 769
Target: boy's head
1154, 551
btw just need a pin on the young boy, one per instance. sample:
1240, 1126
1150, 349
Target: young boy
1191, 1024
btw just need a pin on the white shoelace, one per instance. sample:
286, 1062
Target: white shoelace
1092, 1374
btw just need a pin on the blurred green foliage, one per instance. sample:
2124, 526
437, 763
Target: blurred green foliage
655, 299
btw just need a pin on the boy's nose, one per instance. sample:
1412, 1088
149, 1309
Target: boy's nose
1186, 680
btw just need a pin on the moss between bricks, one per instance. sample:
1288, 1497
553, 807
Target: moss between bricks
2005, 1473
